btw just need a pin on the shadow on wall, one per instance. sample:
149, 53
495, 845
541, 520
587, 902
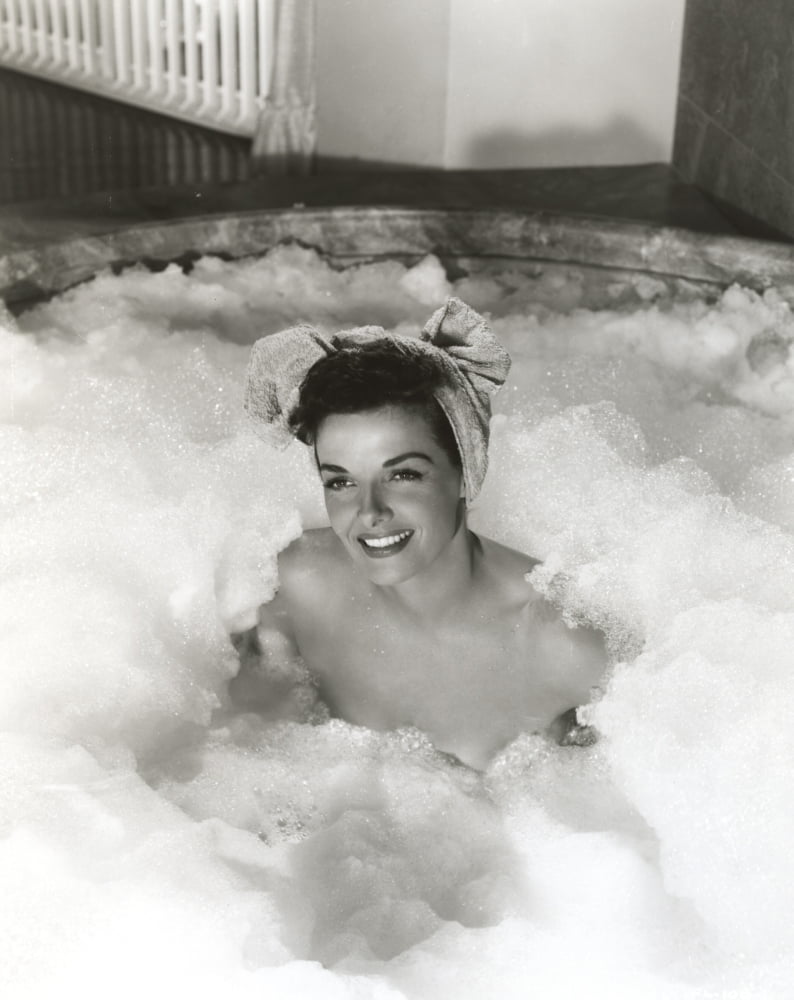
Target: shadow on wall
621, 141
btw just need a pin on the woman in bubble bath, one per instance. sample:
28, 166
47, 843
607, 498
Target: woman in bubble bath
404, 616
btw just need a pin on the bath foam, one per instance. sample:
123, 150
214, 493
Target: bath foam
150, 831
713, 700
768, 492
110, 878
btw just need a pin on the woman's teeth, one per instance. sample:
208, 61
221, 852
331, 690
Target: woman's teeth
386, 541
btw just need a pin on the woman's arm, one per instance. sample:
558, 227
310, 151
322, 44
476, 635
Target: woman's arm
273, 680
584, 661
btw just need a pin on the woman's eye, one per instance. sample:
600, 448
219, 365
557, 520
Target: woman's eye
406, 475
340, 483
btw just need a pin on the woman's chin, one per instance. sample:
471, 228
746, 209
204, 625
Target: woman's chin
386, 571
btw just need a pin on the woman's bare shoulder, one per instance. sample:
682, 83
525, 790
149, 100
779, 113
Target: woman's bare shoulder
508, 570
309, 563
511, 560
305, 570
511, 569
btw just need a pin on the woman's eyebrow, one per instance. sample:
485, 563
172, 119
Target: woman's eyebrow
325, 467
407, 454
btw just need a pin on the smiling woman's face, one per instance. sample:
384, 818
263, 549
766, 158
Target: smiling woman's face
392, 494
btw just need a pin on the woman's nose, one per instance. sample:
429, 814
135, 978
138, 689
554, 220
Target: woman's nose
374, 508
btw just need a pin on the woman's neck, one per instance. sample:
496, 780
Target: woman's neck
446, 584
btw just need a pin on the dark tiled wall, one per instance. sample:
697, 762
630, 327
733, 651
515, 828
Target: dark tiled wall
57, 142
735, 125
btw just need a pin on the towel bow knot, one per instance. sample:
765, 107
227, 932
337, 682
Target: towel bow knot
473, 362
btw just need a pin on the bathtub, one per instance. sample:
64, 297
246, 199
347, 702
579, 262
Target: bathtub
156, 841
460, 237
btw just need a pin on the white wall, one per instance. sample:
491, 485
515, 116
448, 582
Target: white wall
382, 80
498, 83
541, 83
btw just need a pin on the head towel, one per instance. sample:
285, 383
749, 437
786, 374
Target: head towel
473, 362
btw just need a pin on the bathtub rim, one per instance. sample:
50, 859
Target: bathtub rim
348, 235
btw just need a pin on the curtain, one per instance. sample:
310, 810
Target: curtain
286, 131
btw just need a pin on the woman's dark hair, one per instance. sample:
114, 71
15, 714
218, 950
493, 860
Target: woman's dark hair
367, 377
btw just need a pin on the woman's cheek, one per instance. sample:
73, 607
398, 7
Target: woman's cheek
339, 507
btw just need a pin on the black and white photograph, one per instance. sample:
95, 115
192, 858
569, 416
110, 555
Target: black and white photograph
396, 499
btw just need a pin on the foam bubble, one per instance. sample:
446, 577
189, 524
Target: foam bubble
156, 840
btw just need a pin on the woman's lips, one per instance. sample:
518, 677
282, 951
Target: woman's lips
381, 546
